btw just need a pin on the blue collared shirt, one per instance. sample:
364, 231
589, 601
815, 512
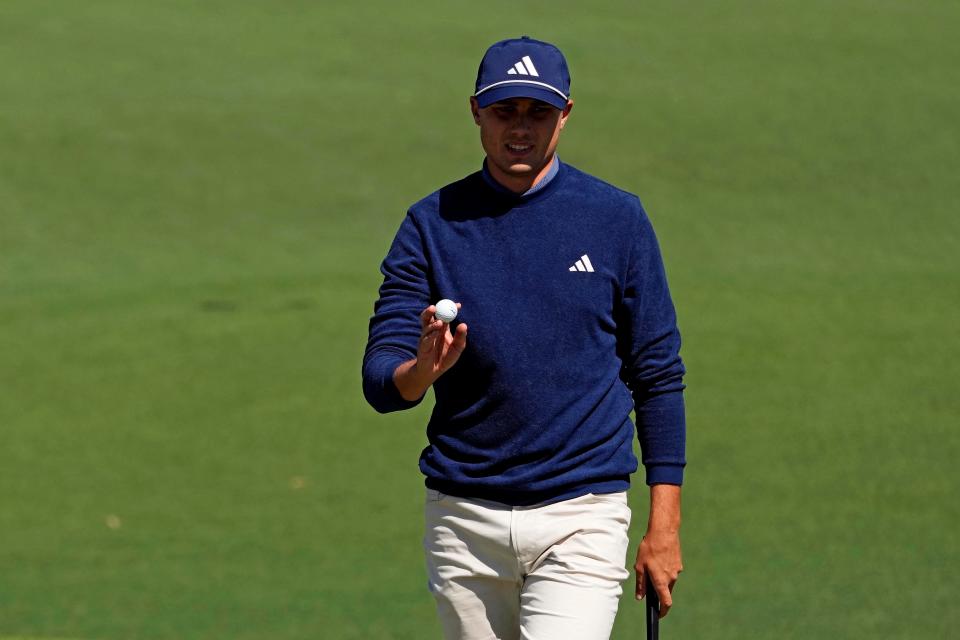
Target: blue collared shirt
551, 174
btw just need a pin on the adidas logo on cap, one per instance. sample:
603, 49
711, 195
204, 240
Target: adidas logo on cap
524, 68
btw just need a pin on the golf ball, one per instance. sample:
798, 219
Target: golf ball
446, 310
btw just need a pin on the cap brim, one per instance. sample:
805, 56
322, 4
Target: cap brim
520, 90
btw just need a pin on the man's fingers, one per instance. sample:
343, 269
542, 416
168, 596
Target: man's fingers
426, 315
457, 345
440, 346
666, 599
439, 336
641, 581
431, 331
460, 339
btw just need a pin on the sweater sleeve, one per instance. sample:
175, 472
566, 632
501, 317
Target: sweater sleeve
649, 345
395, 325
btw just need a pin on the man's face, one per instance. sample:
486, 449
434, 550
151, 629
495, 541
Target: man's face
519, 136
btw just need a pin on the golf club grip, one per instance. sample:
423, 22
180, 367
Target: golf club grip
653, 611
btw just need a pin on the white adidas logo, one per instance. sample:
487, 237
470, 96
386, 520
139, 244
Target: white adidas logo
583, 264
523, 68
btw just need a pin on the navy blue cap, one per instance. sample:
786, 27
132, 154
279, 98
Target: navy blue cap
523, 68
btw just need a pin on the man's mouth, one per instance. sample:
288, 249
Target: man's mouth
519, 148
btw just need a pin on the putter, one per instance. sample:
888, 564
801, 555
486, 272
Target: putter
653, 612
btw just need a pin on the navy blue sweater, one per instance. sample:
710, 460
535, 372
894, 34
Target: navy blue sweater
571, 327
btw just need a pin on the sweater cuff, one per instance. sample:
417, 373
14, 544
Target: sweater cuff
664, 474
378, 386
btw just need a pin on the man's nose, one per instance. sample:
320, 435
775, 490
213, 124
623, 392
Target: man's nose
521, 122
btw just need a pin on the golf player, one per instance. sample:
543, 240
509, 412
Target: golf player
565, 326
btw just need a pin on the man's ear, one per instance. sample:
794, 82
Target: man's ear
475, 110
565, 113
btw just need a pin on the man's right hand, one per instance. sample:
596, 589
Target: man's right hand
437, 350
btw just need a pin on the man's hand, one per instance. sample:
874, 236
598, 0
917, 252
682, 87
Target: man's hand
437, 350
659, 553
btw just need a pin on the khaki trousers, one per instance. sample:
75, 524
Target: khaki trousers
543, 572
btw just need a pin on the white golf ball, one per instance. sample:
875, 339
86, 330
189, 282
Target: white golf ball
446, 310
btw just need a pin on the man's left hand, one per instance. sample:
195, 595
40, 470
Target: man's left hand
659, 553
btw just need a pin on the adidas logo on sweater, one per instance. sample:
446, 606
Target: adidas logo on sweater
583, 264
523, 68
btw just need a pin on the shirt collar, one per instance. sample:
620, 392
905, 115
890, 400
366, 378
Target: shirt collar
551, 174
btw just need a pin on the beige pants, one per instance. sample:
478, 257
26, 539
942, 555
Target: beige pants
544, 572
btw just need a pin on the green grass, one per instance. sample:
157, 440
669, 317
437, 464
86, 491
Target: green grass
194, 200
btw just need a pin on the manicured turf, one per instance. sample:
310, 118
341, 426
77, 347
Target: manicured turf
194, 200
